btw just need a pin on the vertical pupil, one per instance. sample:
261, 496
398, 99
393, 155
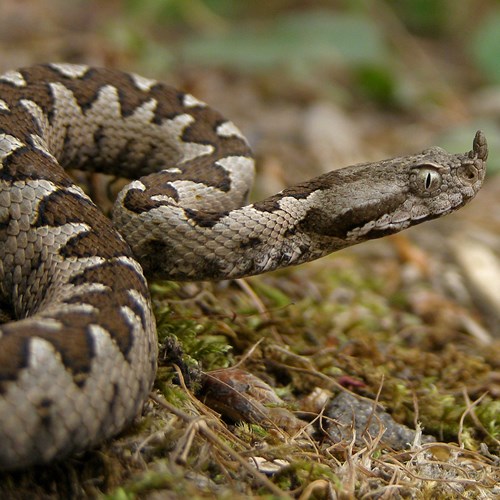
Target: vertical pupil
428, 179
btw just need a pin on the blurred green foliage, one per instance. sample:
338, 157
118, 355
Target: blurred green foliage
426, 17
308, 39
485, 48
352, 49
300, 37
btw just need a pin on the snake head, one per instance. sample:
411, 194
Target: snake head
431, 185
444, 182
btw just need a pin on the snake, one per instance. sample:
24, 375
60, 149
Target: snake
78, 353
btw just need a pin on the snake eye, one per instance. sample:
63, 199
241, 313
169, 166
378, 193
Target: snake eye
426, 181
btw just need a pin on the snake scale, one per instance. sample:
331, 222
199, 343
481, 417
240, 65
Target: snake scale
79, 359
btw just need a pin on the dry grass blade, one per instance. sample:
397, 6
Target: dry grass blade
201, 426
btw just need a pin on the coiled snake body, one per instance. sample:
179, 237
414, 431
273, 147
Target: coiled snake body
78, 362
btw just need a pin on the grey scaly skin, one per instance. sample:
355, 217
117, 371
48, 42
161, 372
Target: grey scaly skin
305, 222
80, 359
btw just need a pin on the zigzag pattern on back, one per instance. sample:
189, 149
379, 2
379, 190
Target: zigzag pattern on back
79, 361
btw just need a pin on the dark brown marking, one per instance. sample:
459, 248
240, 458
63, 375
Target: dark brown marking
160, 184
92, 244
138, 202
119, 278
75, 347
44, 411
325, 223
300, 191
63, 207
149, 256
205, 219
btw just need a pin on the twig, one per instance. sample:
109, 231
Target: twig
201, 426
